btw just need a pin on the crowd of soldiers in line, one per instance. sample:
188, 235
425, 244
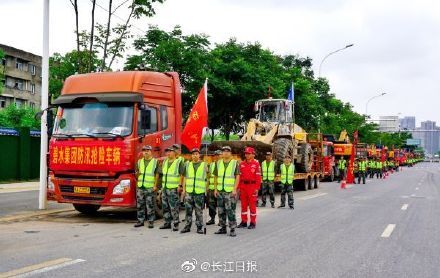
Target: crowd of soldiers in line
368, 168
217, 185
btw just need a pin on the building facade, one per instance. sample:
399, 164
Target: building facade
389, 123
21, 78
429, 134
408, 123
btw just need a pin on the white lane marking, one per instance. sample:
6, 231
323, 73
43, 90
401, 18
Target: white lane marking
404, 207
312, 196
49, 268
417, 188
388, 230
40, 268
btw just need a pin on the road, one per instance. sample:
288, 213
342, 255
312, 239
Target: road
386, 228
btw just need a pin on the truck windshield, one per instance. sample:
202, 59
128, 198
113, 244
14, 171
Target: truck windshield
94, 119
272, 112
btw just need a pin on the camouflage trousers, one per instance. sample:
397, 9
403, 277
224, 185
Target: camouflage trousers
287, 188
197, 202
226, 205
212, 203
170, 205
361, 175
145, 201
267, 188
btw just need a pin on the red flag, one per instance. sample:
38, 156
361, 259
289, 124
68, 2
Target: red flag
197, 121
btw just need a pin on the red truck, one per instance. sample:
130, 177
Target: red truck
102, 122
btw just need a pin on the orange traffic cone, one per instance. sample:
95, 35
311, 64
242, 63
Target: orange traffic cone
343, 184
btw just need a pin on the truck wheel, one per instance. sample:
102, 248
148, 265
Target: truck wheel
86, 209
281, 147
310, 183
316, 182
306, 184
306, 153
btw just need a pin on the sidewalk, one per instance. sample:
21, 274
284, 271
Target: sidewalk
19, 187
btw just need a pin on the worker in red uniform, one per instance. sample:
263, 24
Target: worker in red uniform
250, 182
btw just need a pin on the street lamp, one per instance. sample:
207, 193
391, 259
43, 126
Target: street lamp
366, 106
331, 53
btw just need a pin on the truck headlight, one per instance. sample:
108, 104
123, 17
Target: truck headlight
50, 185
122, 188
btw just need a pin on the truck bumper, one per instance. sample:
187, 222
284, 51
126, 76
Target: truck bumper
100, 192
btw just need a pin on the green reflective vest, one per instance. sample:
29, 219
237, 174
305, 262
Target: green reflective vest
379, 165
195, 182
287, 173
371, 164
170, 174
211, 177
226, 177
341, 164
362, 166
146, 173
268, 170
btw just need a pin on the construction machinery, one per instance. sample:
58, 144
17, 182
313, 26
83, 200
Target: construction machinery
273, 129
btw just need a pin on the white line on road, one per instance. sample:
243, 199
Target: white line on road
417, 188
312, 196
40, 268
404, 207
388, 230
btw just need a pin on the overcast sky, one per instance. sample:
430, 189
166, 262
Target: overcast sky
396, 42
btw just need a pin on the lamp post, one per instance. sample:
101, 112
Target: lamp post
331, 53
366, 106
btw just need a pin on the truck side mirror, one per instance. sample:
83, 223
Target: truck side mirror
145, 119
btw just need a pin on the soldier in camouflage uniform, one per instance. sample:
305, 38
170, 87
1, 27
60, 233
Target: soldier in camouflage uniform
195, 186
268, 173
212, 200
172, 175
226, 179
286, 173
147, 175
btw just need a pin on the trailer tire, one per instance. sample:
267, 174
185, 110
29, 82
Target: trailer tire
316, 182
282, 147
86, 208
306, 154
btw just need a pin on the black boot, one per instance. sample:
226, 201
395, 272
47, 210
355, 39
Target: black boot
263, 205
211, 222
151, 225
291, 207
242, 225
139, 224
185, 230
251, 226
272, 205
165, 226
281, 206
176, 227
232, 233
221, 231
200, 230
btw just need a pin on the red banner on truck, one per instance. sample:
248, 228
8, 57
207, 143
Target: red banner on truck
84, 155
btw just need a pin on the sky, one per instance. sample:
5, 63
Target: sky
395, 51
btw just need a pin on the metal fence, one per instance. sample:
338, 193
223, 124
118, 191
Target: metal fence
19, 154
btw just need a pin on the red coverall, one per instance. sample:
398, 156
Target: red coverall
250, 182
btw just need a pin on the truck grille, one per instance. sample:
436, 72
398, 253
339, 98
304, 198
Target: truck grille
93, 190
83, 198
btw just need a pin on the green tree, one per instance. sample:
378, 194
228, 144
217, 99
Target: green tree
63, 66
23, 116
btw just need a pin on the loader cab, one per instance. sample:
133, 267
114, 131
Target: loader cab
274, 110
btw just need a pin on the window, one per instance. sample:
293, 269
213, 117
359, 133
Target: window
33, 69
2, 102
153, 127
164, 117
32, 88
32, 105
19, 102
18, 84
19, 65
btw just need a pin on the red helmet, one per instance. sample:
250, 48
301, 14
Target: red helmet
249, 150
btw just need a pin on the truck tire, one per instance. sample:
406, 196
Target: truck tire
306, 152
316, 182
281, 147
86, 208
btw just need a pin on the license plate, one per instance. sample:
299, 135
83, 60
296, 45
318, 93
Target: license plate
85, 190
